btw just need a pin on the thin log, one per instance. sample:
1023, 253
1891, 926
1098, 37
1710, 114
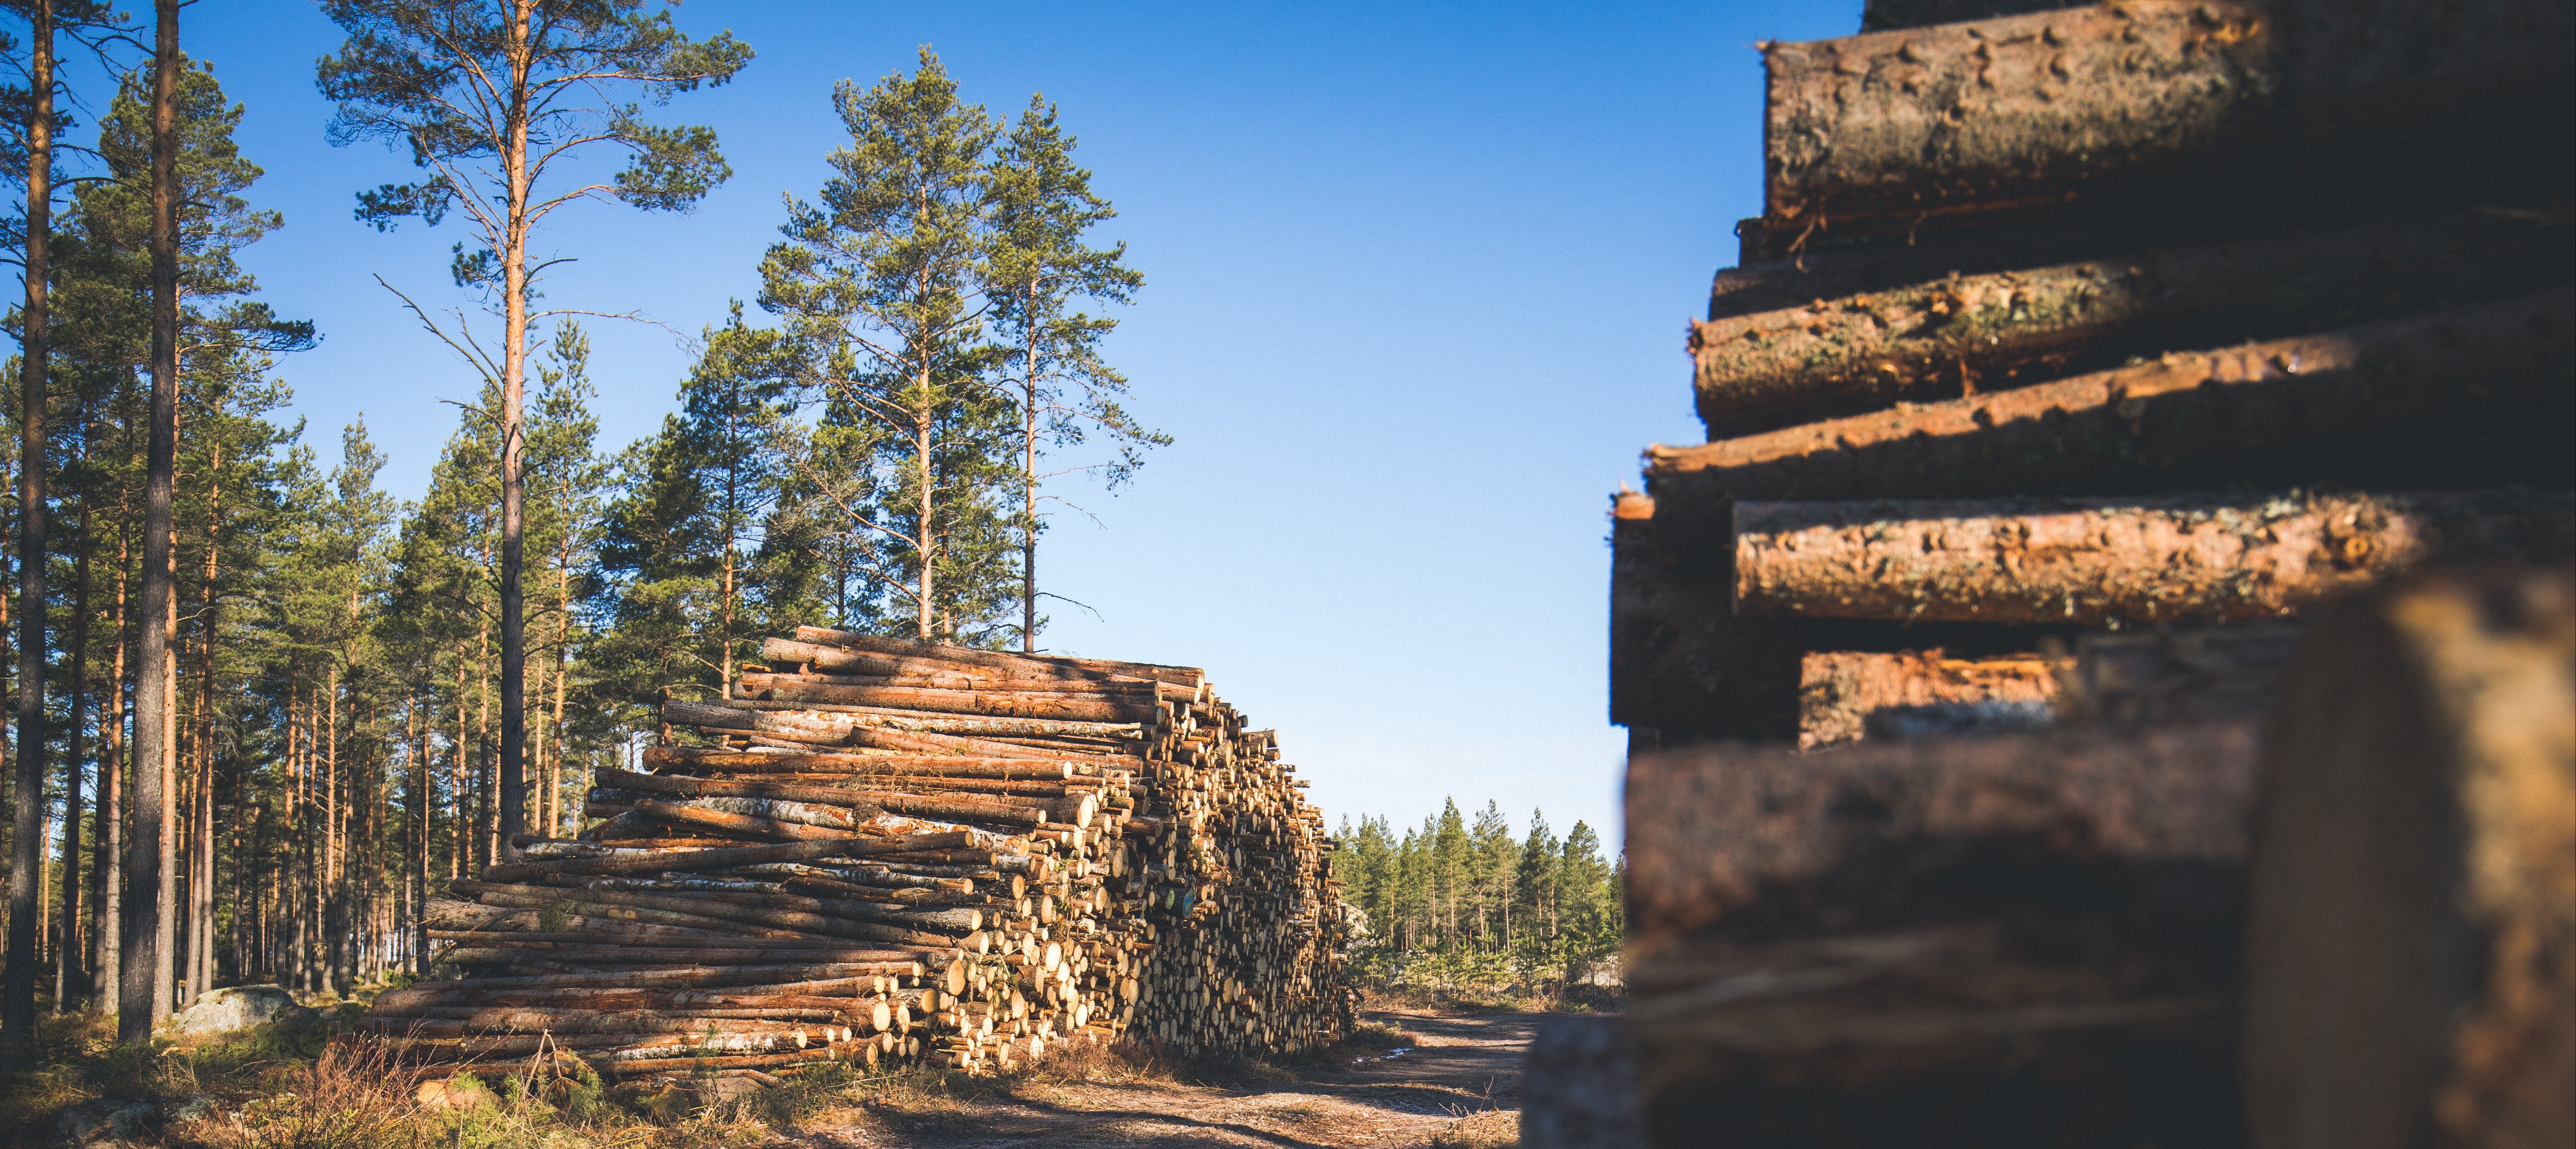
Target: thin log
645, 862
1935, 340
1082, 708
2455, 399
913, 804
687, 815
2096, 562
813, 915
887, 765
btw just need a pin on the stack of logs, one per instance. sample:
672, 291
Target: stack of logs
2080, 358
881, 851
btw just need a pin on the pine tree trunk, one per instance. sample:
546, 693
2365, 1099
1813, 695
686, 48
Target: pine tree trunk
416, 874
68, 950
514, 366
18, 993
109, 933
150, 866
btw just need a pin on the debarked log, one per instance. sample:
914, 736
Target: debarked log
2470, 397
2093, 562
1964, 334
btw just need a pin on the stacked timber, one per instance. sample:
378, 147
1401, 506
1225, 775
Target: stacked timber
2082, 357
881, 851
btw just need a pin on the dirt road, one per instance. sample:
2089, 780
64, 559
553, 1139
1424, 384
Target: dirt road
1457, 1084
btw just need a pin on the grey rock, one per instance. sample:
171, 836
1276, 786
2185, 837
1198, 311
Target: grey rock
239, 1007
105, 1123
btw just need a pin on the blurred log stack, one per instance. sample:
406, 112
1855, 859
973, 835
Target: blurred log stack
878, 850
2081, 356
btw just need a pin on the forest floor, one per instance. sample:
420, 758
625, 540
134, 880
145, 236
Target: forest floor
1456, 1082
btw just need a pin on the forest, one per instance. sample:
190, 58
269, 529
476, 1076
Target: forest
265, 710
1473, 908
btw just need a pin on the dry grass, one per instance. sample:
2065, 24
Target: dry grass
1491, 1129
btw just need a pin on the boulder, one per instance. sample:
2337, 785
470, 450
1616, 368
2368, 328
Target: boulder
239, 1007
107, 1123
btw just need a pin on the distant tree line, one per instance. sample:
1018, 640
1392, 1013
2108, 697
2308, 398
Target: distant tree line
1454, 904
362, 699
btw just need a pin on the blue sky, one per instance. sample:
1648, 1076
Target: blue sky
1417, 278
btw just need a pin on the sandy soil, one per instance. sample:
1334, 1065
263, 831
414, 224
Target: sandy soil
1459, 1085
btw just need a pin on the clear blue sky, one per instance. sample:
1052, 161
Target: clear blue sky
1417, 282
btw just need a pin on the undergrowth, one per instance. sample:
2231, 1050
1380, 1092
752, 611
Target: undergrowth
305, 1083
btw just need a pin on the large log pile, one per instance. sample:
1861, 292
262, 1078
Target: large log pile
878, 850
2082, 355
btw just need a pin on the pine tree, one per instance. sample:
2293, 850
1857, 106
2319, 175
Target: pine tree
879, 286
676, 575
1039, 269
490, 100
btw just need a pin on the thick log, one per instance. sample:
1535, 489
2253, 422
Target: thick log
2095, 562
896, 802
1679, 670
1939, 339
1888, 131
2016, 940
1847, 696
2472, 397
2010, 113
2411, 969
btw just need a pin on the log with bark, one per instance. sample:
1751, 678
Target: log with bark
1845, 696
961, 883
1890, 131
1944, 337
2411, 959
2016, 940
2097, 562
2470, 397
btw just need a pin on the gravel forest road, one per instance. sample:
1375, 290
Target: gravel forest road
1457, 1085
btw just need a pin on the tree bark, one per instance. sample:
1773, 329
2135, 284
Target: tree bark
150, 860
2411, 949
2097, 562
